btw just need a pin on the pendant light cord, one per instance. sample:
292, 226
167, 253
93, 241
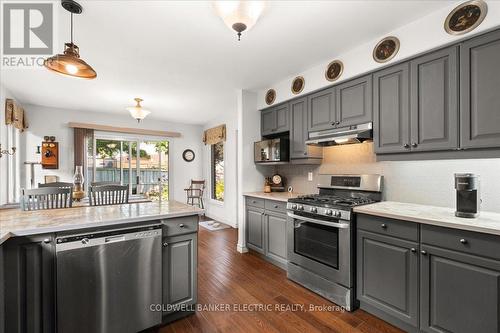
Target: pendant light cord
71, 28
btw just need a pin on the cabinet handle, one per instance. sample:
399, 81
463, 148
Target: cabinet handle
413, 250
46, 240
334, 123
414, 145
181, 225
423, 252
383, 226
165, 244
276, 206
337, 123
406, 146
463, 241
305, 153
253, 201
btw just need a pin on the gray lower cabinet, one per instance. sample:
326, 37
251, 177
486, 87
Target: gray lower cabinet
321, 111
266, 229
299, 132
391, 110
354, 101
387, 275
434, 101
275, 120
480, 97
29, 298
179, 257
459, 293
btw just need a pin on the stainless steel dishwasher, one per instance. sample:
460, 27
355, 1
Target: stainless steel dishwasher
107, 281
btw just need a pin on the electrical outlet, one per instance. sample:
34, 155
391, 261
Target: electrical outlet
310, 176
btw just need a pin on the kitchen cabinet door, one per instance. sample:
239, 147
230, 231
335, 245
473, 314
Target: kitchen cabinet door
276, 236
29, 301
480, 97
387, 274
459, 293
180, 255
282, 121
255, 229
268, 121
321, 112
434, 101
391, 113
354, 101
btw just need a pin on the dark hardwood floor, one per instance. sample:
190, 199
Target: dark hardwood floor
228, 277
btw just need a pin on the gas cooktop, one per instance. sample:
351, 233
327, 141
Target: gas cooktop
331, 200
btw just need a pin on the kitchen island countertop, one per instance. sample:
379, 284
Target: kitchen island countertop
487, 222
15, 222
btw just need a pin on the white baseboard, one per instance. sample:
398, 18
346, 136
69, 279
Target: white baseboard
241, 248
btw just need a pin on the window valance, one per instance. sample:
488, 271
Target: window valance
14, 115
214, 135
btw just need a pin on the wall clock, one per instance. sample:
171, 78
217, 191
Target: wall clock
386, 49
298, 85
270, 96
188, 155
465, 17
334, 70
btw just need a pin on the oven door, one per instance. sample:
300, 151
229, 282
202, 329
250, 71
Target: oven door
321, 246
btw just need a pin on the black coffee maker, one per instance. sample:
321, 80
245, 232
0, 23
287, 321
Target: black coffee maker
468, 196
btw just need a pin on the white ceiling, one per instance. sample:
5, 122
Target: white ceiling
186, 64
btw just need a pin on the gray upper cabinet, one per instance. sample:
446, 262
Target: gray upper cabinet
179, 270
391, 114
275, 120
354, 101
388, 275
434, 101
321, 113
299, 133
480, 94
459, 292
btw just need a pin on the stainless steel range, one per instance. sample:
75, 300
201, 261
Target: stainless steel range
321, 236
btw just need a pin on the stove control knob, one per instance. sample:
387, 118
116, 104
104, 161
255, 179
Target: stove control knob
300, 207
329, 212
313, 210
338, 214
294, 206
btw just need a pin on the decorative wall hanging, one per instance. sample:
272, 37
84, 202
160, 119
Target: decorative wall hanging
386, 49
50, 154
188, 155
270, 96
334, 70
298, 85
465, 17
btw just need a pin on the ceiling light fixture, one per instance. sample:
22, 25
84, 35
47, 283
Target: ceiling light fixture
239, 15
137, 112
70, 63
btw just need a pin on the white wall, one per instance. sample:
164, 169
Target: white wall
54, 122
416, 37
226, 211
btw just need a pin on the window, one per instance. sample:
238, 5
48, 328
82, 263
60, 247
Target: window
142, 164
217, 171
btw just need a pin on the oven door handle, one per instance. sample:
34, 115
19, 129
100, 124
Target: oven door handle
329, 224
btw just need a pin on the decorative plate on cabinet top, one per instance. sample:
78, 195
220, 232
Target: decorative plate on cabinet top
386, 49
465, 17
334, 70
270, 96
298, 85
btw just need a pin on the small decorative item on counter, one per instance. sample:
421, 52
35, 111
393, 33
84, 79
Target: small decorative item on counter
267, 185
290, 189
465, 17
78, 179
277, 183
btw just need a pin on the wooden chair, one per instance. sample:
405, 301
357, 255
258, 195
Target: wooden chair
195, 192
46, 198
108, 195
104, 183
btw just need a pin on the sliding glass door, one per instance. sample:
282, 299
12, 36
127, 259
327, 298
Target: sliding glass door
142, 164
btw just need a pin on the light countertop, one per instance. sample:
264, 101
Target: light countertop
15, 222
487, 222
277, 196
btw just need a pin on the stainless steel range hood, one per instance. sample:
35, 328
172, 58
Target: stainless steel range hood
341, 136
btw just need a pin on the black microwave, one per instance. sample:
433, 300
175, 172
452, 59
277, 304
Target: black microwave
272, 151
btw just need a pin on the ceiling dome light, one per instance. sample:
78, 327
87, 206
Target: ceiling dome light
239, 15
69, 63
137, 112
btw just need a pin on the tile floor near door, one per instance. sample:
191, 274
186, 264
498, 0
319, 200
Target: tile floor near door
228, 277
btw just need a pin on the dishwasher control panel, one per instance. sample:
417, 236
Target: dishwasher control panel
112, 235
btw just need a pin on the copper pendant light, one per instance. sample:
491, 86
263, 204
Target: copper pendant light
69, 63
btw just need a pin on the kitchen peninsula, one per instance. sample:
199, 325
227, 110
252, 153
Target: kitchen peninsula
86, 265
